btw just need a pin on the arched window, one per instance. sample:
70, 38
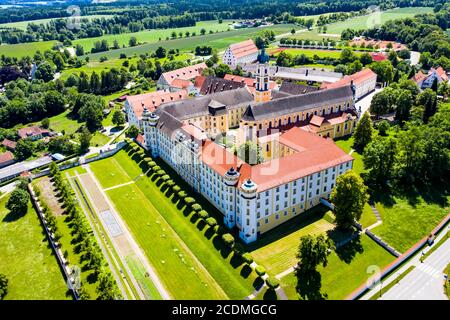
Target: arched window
270, 124
298, 118
279, 123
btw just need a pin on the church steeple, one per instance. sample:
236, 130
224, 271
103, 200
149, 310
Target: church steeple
262, 92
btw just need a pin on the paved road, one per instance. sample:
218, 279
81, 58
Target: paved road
425, 282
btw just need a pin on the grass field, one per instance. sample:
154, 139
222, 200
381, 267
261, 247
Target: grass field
26, 258
346, 144
378, 18
23, 24
217, 41
367, 217
25, 49
150, 36
109, 172
227, 271
346, 270
406, 220
278, 247
62, 122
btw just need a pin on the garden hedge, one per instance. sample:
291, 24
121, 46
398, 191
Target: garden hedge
211, 221
272, 283
260, 271
247, 257
228, 239
203, 214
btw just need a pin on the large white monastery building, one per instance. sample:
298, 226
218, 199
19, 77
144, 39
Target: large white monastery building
300, 169
240, 53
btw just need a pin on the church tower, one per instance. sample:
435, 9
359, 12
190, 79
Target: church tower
262, 92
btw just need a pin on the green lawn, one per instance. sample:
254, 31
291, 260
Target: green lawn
23, 24
346, 270
25, 49
99, 139
182, 275
26, 258
314, 35
276, 250
219, 41
367, 217
407, 220
228, 271
335, 54
346, 144
151, 36
369, 21
62, 122
109, 172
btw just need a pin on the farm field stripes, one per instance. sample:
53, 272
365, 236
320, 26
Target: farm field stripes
23, 24
217, 41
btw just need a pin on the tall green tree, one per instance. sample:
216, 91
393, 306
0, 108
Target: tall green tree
349, 197
427, 99
18, 201
379, 160
85, 140
363, 132
107, 287
404, 104
118, 118
313, 251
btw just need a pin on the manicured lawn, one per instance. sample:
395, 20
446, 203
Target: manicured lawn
367, 217
228, 271
346, 270
62, 122
312, 52
99, 139
276, 250
26, 258
407, 220
109, 172
175, 265
369, 21
346, 144
73, 171
217, 41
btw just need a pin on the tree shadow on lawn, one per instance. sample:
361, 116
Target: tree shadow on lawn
309, 284
236, 261
201, 225
258, 283
348, 251
220, 246
246, 271
209, 233
270, 294
14, 216
302, 220
194, 218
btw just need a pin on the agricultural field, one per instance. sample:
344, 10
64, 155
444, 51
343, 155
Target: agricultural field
335, 54
217, 41
205, 268
27, 258
25, 49
23, 24
378, 18
276, 250
348, 267
150, 36
98, 66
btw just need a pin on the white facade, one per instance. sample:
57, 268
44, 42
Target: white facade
252, 211
230, 59
365, 87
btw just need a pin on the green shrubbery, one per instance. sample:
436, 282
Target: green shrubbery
260, 271
247, 257
272, 283
228, 239
211, 222
203, 214
196, 207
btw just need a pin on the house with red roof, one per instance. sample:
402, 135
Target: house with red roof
363, 83
240, 53
134, 105
9, 144
378, 56
33, 132
180, 79
6, 159
425, 81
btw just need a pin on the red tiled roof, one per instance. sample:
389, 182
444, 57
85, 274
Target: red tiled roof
378, 56
6, 156
186, 73
243, 48
198, 82
140, 139
31, 131
419, 77
250, 82
313, 154
153, 100
441, 72
316, 120
357, 78
9, 144
180, 83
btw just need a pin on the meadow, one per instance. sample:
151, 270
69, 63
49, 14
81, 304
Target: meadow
27, 259
219, 41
